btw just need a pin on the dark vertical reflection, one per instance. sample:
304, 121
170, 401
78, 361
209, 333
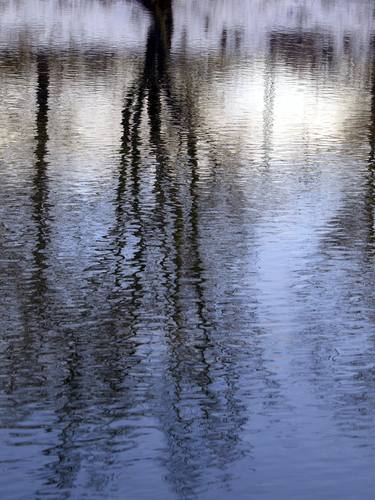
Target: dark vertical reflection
158, 329
190, 410
70, 413
64, 468
40, 182
23, 372
128, 209
146, 89
371, 162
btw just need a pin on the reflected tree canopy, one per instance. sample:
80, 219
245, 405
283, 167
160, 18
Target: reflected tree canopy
186, 247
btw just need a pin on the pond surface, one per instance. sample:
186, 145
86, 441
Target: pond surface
187, 249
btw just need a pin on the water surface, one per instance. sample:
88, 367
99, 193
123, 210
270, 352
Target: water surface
187, 249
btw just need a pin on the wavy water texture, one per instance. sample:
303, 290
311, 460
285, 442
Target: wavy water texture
187, 249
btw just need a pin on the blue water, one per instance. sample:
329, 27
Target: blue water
187, 249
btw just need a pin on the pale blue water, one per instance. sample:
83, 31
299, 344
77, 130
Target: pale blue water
187, 250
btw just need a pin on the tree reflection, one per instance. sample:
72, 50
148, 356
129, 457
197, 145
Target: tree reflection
24, 351
371, 161
40, 196
346, 258
151, 279
193, 415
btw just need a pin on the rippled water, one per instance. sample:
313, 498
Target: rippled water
187, 249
